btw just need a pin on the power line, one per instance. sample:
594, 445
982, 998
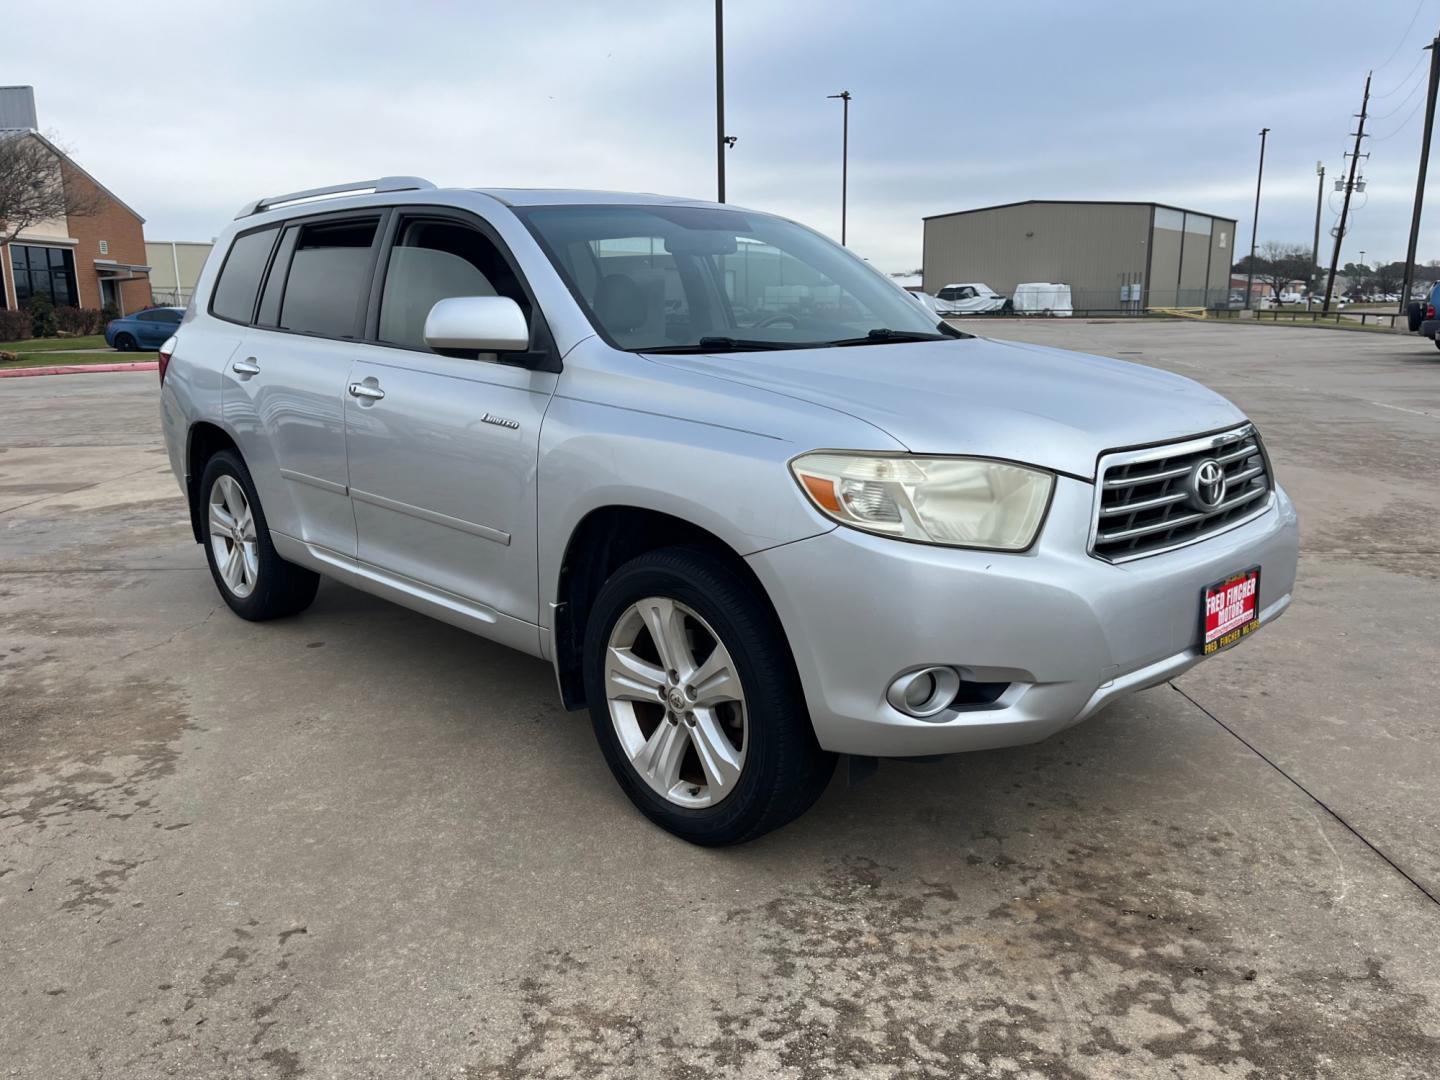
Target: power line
1404, 34
1403, 101
1399, 85
1402, 126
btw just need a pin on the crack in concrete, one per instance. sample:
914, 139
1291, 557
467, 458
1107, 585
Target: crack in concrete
1312, 796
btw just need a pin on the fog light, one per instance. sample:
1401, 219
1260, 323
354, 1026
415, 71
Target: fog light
925, 692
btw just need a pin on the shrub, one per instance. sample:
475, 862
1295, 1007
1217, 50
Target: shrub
42, 317
108, 312
8, 357
78, 322
14, 325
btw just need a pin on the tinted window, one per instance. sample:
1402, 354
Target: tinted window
240, 276
275, 284
432, 261
329, 278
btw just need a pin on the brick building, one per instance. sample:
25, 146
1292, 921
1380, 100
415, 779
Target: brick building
83, 261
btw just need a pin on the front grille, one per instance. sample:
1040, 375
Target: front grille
1147, 501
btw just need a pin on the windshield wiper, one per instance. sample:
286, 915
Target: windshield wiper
885, 336
730, 344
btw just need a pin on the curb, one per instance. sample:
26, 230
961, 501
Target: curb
79, 369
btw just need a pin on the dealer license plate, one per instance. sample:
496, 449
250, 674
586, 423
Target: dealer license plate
1230, 610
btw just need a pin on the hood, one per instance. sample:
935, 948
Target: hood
1048, 407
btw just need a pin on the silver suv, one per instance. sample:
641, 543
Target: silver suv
756, 506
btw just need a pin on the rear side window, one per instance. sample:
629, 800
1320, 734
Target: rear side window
329, 278
240, 276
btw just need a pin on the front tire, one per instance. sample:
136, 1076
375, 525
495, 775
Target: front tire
252, 578
126, 343
695, 700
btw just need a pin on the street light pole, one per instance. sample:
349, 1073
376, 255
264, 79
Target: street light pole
844, 97
720, 100
1315, 248
1255, 226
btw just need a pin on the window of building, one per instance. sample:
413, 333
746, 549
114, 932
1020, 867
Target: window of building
240, 276
104, 247
329, 278
42, 271
433, 261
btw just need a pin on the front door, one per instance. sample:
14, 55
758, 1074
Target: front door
442, 449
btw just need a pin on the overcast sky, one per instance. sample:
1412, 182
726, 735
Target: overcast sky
187, 111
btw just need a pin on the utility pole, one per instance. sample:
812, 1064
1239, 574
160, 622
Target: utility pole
1434, 48
1315, 248
1255, 226
844, 97
1349, 188
720, 100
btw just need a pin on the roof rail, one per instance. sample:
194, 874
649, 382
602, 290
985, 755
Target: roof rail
384, 183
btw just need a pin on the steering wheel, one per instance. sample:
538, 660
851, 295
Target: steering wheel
779, 317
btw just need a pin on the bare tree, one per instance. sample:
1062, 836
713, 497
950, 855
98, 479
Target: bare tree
32, 186
1278, 265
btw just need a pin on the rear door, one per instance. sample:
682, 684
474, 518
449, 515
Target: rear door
285, 386
442, 449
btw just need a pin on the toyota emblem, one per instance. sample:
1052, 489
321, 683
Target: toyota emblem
1207, 485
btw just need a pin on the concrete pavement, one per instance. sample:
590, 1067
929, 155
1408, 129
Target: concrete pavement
360, 843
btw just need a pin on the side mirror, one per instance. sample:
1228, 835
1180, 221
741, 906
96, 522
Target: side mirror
487, 324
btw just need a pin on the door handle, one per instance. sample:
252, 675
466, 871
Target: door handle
361, 390
246, 366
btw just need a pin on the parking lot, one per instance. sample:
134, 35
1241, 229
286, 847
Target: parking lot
360, 843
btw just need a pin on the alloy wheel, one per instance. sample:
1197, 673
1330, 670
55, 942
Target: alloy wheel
676, 701
232, 536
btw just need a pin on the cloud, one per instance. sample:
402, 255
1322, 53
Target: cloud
955, 105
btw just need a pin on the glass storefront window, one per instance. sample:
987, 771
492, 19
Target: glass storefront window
44, 271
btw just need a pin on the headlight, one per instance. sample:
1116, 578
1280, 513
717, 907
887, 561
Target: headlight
961, 502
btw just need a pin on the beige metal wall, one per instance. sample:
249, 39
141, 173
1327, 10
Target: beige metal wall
1091, 247
165, 256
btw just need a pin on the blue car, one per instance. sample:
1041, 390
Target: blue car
148, 329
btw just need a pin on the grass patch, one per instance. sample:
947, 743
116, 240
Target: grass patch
51, 344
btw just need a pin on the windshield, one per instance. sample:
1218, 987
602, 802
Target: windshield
679, 279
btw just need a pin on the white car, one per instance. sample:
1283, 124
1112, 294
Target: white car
932, 304
1291, 298
971, 298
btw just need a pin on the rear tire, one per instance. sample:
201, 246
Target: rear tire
126, 343
252, 578
1415, 315
642, 689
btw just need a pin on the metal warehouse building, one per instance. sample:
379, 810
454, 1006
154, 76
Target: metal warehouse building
1115, 256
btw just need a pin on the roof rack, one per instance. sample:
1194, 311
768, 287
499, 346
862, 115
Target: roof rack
357, 187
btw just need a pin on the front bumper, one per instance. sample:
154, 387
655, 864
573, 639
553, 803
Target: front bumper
1069, 632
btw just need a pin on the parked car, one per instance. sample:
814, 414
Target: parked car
146, 329
933, 304
972, 298
1422, 315
1291, 297
746, 544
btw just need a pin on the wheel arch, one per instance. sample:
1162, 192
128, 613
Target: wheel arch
202, 442
602, 541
